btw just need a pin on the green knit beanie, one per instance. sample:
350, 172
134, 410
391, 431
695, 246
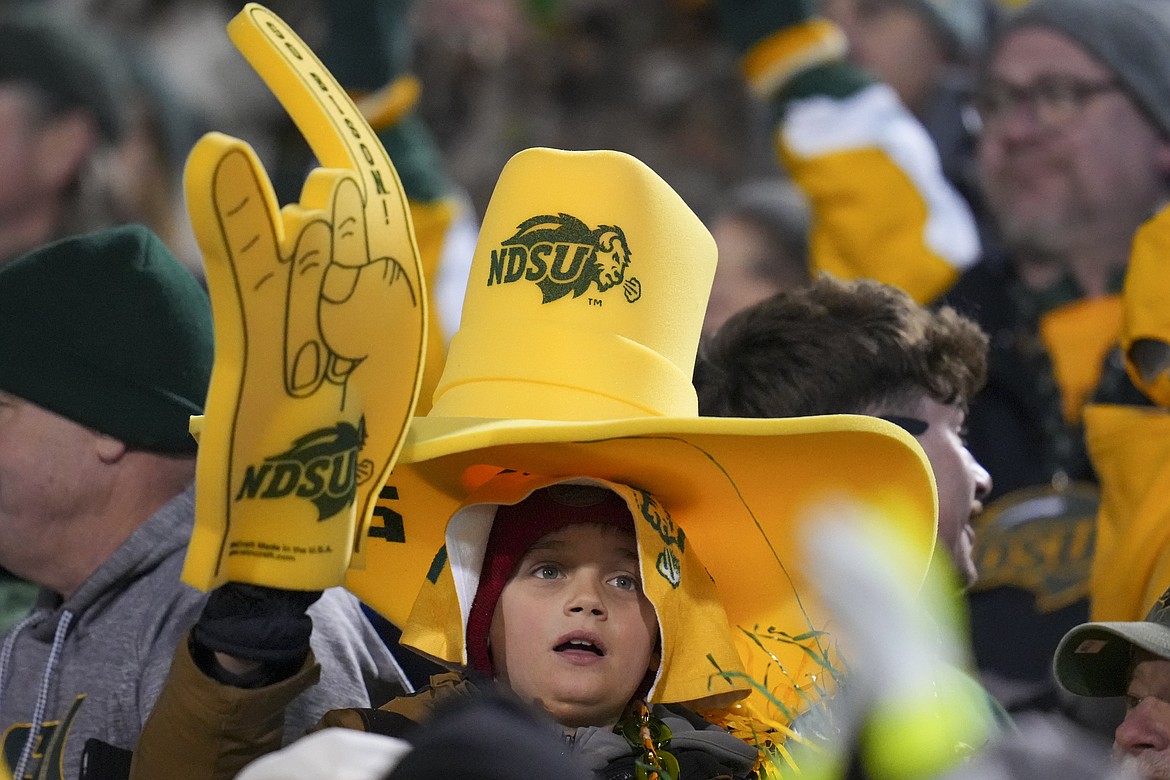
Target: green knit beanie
109, 330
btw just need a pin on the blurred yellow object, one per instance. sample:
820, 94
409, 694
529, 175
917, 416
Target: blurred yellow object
1147, 288
1078, 336
909, 702
1130, 448
389, 105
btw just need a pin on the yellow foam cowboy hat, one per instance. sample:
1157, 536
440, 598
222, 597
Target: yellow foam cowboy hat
574, 358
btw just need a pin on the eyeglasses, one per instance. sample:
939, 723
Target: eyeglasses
1053, 100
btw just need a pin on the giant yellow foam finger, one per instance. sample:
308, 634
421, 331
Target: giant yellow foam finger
341, 138
278, 453
312, 388
329, 121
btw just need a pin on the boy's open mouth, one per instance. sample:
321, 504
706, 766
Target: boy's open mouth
579, 645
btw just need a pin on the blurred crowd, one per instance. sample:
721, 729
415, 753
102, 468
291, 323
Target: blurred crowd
986, 164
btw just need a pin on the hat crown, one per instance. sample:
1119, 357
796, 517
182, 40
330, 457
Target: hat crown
585, 298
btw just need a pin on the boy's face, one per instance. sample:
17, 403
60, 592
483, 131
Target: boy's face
572, 632
962, 482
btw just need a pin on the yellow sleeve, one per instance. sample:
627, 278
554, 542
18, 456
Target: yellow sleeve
882, 208
1146, 293
1130, 449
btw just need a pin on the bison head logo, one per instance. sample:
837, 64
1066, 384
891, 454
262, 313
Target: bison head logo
564, 256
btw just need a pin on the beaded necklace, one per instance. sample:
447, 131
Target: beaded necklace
649, 737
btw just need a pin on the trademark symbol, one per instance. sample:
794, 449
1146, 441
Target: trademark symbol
594, 301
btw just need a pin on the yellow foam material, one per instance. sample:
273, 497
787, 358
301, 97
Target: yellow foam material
719, 479
1146, 314
624, 348
320, 315
1130, 449
1078, 336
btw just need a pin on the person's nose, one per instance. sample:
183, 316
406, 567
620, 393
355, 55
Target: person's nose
585, 597
980, 476
1020, 120
1142, 730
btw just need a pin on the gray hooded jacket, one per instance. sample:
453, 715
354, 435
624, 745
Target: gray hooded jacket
93, 665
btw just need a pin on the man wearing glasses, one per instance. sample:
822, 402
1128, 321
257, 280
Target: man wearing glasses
1074, 155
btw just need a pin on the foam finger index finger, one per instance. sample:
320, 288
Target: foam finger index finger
235, 219
335, 129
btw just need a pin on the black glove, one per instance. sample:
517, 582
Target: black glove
253, 622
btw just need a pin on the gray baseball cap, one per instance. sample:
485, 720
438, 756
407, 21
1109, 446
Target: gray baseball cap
1093, 659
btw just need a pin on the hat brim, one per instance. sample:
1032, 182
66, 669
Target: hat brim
1093, 659
742, 491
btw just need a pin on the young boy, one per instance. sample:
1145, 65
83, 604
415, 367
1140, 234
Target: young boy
556, 612
861, 347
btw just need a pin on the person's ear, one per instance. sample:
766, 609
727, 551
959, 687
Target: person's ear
65, 144
1162, 158
109, 449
